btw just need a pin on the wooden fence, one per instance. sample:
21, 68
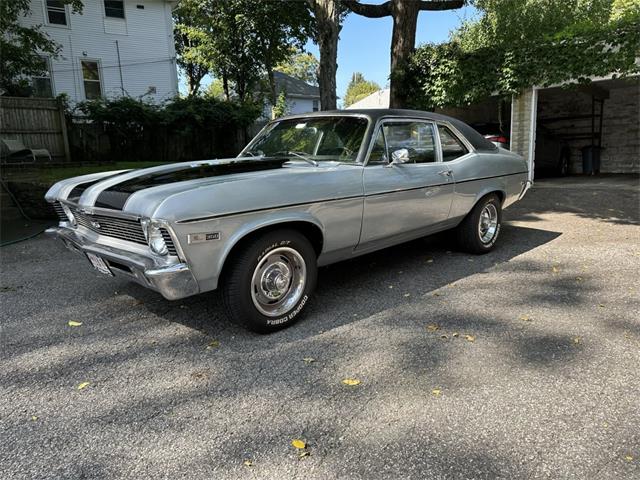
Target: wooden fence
37, 123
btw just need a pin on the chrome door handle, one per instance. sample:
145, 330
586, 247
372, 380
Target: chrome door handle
446, 173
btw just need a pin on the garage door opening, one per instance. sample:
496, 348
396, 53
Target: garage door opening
588, 129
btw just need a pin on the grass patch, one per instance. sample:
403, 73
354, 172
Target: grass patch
54, 174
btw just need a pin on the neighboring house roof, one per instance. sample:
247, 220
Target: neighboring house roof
379, 99
294, 87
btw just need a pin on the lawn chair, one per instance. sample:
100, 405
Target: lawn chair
16, 149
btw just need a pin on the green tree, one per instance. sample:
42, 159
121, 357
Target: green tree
358, 89
328, 17
21, 47
624, 8
405, 21
239, 41
301, 65
191, 32
518, 43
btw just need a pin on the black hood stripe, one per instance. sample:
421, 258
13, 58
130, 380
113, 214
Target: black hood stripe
116, 196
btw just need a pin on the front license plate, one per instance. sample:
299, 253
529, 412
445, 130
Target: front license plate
99, 264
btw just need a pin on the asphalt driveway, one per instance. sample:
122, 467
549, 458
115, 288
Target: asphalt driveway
519, 364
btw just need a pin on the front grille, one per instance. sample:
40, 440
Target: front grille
169, 241
60, 211
115, 227
121, 228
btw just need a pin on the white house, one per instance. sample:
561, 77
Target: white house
301, 97
379, 99
113, 48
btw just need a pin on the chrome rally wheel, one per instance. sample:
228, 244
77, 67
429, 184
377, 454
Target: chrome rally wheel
488, 223
278, 281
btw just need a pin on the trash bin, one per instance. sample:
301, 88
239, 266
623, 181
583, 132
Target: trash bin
591, 159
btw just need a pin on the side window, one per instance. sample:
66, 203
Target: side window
379, 151
452, 147
417, 137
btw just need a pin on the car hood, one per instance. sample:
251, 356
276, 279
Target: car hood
188, 190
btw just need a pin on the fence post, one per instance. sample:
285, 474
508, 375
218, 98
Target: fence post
63, 128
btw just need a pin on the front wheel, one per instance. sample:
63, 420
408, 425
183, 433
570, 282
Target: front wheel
270, 280
479, 231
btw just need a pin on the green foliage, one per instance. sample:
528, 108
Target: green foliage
281, 108
621, 9
238, 40
358, 89
21, 47
301, 65
517, 44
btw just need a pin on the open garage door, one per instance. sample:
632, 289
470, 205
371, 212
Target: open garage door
593, 128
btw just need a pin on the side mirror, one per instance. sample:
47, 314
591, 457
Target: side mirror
399, 156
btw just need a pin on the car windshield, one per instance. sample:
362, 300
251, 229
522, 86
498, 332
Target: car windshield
312, 139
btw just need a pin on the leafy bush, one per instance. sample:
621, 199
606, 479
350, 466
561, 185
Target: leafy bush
182, 129
450, 74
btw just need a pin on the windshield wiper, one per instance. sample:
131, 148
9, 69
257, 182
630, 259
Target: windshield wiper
302, 156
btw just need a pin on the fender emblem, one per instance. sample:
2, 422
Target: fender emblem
202, 237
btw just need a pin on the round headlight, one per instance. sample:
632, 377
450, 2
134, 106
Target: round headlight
70, 216
156, 241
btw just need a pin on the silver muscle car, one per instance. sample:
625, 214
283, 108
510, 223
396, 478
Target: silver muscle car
307, 191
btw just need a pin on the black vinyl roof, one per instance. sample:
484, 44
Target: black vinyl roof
476, 139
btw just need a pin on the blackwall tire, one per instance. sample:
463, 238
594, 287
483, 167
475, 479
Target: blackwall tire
269, 282
480, 229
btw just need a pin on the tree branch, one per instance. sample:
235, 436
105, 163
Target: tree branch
368, 10
441, 4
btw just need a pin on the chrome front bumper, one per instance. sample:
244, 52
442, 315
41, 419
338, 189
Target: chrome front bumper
173, 281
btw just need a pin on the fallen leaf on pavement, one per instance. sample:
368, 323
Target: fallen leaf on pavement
601, 305
73, 323
308, 360
432, 327
306, 453
213, 344
525, 318
351, 381
443, 336
436, 294
628, 458
555, 269
299, 444
576, 340
33, 418
248, 463
407, 294
436, 392
429, 260
455, 334
83, 385
470, 338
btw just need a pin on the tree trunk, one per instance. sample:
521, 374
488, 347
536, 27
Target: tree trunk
403, 40
328, 25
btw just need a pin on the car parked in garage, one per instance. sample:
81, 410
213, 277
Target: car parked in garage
307, 191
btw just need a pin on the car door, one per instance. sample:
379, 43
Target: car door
403, 200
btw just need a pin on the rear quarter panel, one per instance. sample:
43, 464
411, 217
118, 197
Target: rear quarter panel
478, 174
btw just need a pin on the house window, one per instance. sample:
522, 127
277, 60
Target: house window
114, 8
41, 84
56, 12
91, 78
316, 106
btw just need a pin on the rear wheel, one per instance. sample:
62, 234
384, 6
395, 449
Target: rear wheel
269, 282
479, 231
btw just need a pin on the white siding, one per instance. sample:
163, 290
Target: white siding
147, 54
295, 106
